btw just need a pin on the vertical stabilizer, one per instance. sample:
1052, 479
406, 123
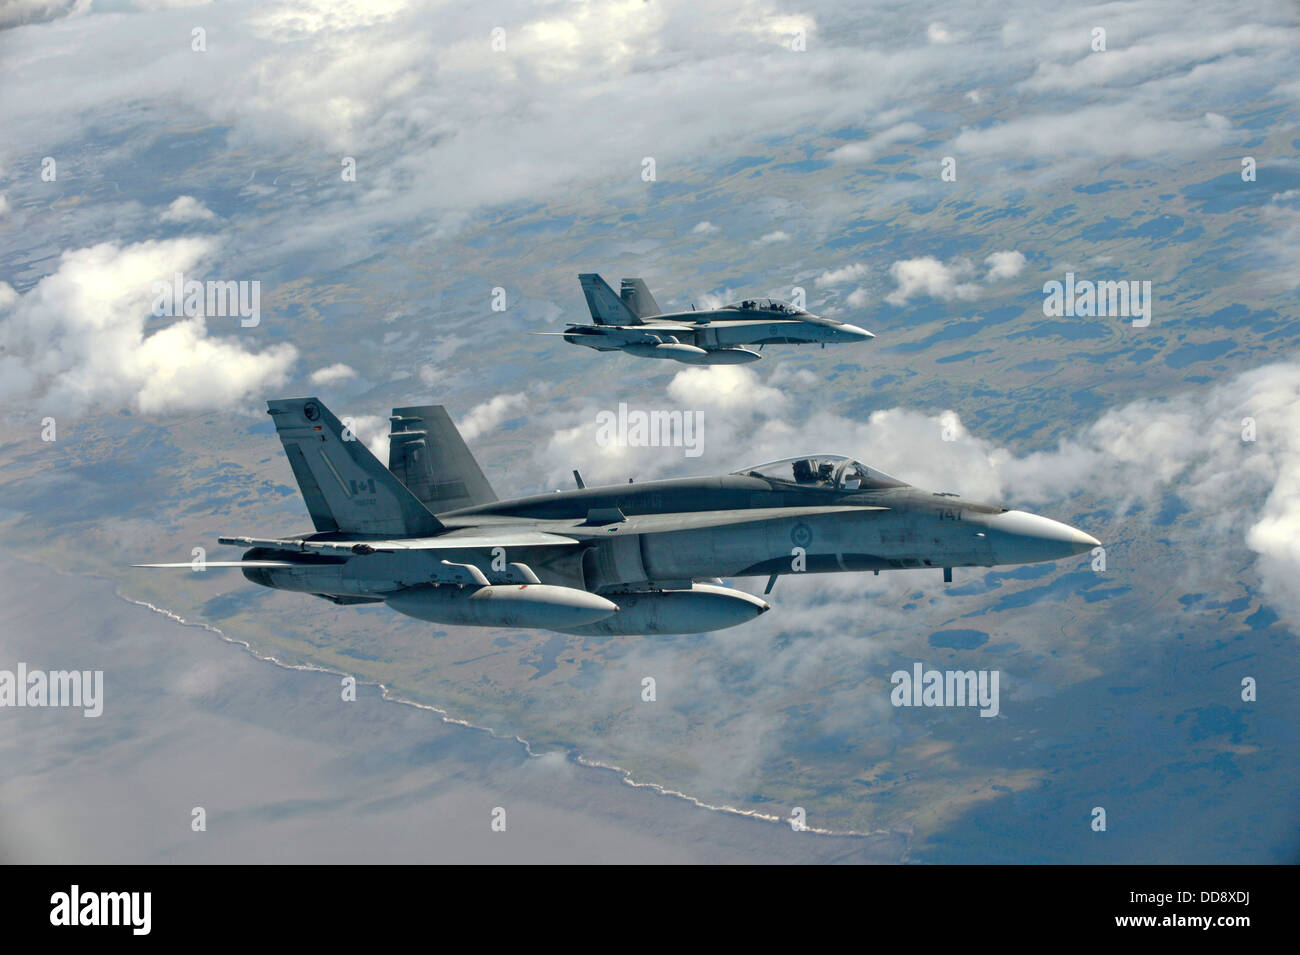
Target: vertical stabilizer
606, 307
345, 487
428, 455
637, 297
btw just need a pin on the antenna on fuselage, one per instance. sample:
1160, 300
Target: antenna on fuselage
578, 478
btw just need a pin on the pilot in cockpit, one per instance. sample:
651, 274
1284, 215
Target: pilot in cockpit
812, 471
827, 470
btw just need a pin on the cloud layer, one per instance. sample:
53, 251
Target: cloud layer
84, 338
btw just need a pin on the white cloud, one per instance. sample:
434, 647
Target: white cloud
18, 12
779, 29
331, 374
1192, 445
770, 237
938, 33
1281, 242
848, 273
1180, 45
365, 80
371, 430
486, 416
858, 298
726, 402
724, 387
439, 353
927, 276
79, 339
867, 149
704, 228
1087, 132
187, 209
1005, 265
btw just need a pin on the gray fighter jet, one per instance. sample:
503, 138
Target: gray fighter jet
632, 322
428, 536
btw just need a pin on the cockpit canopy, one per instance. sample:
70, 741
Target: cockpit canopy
823, 470
767, 305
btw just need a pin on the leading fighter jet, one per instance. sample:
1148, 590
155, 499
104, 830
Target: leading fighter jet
632, 322
428, 536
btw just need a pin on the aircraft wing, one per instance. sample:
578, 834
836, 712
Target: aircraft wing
600, 523
456, 540
665, 327
191, 565
606, 523
605, 329
715, 319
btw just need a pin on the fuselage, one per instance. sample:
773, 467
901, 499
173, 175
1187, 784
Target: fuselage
715, 336
673, 532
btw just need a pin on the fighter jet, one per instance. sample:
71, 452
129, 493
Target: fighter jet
632, 322
428, 536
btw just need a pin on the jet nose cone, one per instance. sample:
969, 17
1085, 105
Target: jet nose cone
1019, 537
853, 333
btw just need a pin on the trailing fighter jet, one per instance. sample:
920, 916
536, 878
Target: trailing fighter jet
633, 323
428, 536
